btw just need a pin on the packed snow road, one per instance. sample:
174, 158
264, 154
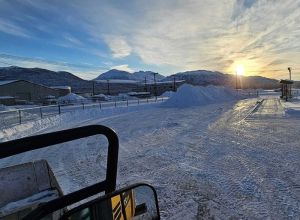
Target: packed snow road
204, 161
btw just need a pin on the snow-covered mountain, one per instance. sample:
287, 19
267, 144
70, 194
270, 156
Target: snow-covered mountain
140, 76
204, 77
124, 75
198, 77
114, 74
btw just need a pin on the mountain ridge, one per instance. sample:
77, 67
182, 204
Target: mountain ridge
124, 75
196, 77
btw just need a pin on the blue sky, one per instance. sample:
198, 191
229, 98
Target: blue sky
90, 37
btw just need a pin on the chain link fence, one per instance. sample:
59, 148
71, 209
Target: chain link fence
13, 117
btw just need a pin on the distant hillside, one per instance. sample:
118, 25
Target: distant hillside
124, 75
43, 76
204, 77
114, 74
198, 77
140, 76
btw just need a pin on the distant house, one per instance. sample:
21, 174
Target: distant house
63, 90
23, 90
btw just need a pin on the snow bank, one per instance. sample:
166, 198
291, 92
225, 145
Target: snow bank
167, 94
188, 95
67, 119
72, 97
292, 107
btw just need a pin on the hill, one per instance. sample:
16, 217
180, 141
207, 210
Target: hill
124, 75
44, 76
204, 77
114, 74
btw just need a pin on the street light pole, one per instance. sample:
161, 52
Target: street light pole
93, 87
236, 80
108, 87
155, 87
290, 72
174, 83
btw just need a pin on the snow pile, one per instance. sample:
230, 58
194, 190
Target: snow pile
6, 108
72, 97
167, 94
188, 95
292, 107
3, 107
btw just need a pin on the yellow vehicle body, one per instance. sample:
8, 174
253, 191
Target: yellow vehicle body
123, 206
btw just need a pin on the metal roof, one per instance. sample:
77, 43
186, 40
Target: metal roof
286, 81
4, 82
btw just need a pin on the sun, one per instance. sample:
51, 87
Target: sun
240, 70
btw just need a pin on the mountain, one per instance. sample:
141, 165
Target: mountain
114, 74
124, 75
44, 76
140, 76
204, 77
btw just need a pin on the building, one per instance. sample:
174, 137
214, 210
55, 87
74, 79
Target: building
63, 90
286, 88
7, 100
159, 88
23, 90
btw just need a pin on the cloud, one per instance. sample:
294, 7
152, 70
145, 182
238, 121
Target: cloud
124, 67
72, 40
83, 70
118, 46
184, 34
13, 29
240, 6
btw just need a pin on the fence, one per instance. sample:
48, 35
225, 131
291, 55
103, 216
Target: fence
19, 116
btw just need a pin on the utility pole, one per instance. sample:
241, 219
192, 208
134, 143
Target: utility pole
236, 76
108, 87
155, 86
174, 83
93, 92
290, 85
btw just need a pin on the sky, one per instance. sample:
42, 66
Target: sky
166, 36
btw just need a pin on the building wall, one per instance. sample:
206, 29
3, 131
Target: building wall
63, 92
24, 90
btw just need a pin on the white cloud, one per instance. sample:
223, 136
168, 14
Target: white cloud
124, 67
73, 40
195, 34
118, 46
13, 29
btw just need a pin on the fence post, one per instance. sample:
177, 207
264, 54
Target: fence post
59, 109
100, 105
41, 113
20, 117
138, 101
162, 99
127, 102
82, 105
115, 104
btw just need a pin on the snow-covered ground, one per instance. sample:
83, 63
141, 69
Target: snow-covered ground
225, 160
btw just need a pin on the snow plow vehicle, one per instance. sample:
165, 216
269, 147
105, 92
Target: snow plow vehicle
30, 191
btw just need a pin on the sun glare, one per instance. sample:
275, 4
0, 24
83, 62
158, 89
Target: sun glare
240, 70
